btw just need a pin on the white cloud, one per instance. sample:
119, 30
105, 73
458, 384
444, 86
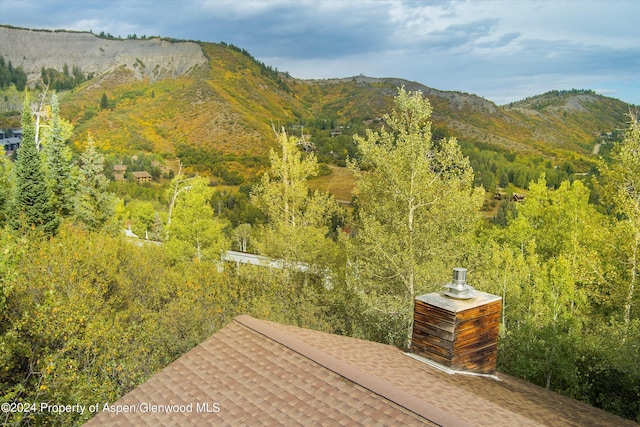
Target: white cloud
498, 49
238, 10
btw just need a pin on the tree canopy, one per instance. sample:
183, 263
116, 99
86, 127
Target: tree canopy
297, 220
416, 211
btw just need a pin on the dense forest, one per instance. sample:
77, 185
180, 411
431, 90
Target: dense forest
10, 75
87, 313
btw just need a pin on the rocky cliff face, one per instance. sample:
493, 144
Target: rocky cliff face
153, 58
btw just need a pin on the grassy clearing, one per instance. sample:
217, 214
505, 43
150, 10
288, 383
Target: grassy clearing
339, 183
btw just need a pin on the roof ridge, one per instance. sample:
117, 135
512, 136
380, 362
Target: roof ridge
354, 374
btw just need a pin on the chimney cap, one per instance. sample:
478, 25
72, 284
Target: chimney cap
459, 288
459, 275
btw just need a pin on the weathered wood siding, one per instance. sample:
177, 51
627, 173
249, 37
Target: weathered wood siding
464, 340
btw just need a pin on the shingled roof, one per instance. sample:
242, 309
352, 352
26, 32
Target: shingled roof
258, 372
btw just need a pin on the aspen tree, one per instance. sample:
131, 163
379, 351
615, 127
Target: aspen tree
417, 211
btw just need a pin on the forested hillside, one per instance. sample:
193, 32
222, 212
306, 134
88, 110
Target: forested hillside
232, 150
217, 116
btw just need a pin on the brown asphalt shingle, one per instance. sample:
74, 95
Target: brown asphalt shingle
264, 373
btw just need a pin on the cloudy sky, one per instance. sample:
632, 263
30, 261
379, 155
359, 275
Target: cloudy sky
501, 50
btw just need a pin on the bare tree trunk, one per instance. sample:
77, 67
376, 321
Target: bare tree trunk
632, 282
175, 193
38, 114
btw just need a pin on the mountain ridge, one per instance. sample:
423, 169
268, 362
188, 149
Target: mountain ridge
215, 101
152, 58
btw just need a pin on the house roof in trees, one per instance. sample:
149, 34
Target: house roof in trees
141, 174
253, 371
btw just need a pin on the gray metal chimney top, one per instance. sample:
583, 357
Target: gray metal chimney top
459, 288
459, 276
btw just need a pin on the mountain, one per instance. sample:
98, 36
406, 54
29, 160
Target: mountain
215, 106
153, 59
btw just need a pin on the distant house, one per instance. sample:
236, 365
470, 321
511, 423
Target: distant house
335, 132
11, 143
141, 176
118, 172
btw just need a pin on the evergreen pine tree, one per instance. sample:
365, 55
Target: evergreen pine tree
31, 203
104, 102
58, 164
93, 203
6, 185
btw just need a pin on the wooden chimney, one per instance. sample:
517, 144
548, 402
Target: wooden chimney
458, 328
